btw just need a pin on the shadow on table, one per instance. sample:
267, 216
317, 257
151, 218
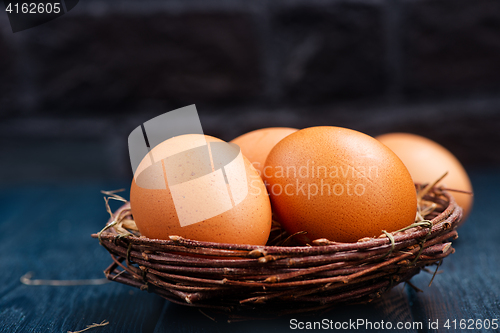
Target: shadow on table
393, 307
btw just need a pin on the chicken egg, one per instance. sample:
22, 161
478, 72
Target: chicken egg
256, 145
187, 186
427, 160
339, 184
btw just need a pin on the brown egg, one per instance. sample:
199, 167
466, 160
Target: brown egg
187, 187
338, 184
256, 145
427, 161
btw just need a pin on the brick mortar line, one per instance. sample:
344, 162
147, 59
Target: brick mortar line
153, 7
78, 127
322, 3
177, 7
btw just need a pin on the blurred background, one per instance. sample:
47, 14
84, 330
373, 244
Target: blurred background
72, 90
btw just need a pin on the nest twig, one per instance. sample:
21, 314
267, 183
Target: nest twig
250, 281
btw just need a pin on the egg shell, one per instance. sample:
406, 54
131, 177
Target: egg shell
256, 145
156, 216
427, 160
355, 186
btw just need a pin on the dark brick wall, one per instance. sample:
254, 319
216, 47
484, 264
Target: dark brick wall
452, 47
330, 53
120, 56
425, 66
90, 64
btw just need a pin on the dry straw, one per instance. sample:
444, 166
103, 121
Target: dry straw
250, 281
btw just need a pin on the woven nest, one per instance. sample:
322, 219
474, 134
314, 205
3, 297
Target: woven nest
249, 281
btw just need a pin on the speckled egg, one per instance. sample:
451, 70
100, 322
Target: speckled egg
193, 186
256, 145
427, 160
338, 184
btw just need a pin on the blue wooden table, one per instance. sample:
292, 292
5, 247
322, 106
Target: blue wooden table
46, 230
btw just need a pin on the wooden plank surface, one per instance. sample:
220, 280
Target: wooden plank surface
394, 307
46, 230
469, 286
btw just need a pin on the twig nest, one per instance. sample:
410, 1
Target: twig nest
253, 281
